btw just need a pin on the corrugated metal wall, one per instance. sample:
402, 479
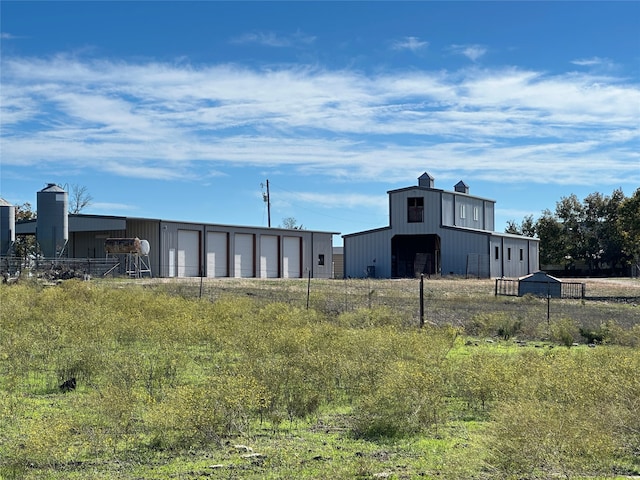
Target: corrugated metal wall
322, 244
489, 214
456, 244
516, 256
91, 244
369, 249
399, 211
147, 230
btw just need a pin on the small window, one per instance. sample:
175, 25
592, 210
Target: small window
497, 250
321, 259
415, 209
475, 213
509, 253
521, 255
463, 211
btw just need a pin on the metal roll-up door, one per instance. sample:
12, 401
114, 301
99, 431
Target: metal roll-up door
217, 254
291, 257
243, 255
188, 253
269, 259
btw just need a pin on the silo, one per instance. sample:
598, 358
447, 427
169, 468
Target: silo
7, 227
52, 223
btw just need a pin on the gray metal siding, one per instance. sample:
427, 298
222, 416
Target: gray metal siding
534, 256
7, 227
515, 262
322, 244
518, 256
472, 208
399, 211
91, 244
489, 216
456, 245
496, 257
370, 249
91, 223
448, 210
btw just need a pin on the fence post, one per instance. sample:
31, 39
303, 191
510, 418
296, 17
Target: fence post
548, 304
421, 300
308, 289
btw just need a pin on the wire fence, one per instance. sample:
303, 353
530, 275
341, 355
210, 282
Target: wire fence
458, 302
444, 300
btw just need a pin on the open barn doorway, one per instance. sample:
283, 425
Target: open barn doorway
413, 255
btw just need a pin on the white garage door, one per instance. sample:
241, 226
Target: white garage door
291, 257
217, 254
269, 256
188, 253
243, 256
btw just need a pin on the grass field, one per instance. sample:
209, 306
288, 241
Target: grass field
333, 379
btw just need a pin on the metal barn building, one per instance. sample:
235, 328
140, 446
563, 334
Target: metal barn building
432, 231
187, 249
7, 227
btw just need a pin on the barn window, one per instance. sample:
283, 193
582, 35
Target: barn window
497, 253
475, 213
463, 211
509, 253
415, 209
321, 259
521, 254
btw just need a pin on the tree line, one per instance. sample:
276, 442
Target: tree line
599, 234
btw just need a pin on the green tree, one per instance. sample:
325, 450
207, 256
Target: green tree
552, 239
25, 244
628, 221
601, 231
527, 227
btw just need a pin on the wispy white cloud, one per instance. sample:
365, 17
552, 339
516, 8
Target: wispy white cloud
170, 121
271, 39
589, 62
111, 207
410, 43
472, 52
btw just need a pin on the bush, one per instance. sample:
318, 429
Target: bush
193, 415
408, 400
502, 325
564, 331
529, 438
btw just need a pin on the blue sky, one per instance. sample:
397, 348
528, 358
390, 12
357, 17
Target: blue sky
181, 110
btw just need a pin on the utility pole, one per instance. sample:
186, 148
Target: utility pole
267, 199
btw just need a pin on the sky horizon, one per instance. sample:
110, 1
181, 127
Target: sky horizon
183, 110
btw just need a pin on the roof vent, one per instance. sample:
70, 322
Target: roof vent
461, 187
425, 180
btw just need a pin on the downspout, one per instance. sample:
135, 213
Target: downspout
313, 258
502, 255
